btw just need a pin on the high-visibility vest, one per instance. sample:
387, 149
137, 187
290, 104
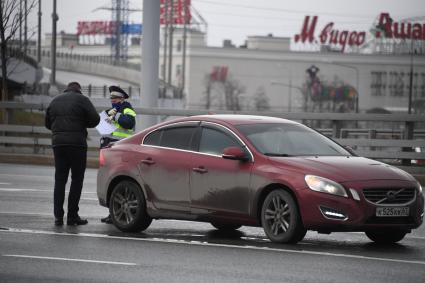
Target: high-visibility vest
120, 132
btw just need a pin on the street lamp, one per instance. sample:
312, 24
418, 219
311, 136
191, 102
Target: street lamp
357, 78
290, 86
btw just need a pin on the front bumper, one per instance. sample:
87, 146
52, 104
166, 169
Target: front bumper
329, 213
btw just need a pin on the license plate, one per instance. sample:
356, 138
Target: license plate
392, 211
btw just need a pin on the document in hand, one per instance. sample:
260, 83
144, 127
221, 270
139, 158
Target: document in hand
105, 126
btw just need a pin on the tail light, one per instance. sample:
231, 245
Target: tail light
102, 160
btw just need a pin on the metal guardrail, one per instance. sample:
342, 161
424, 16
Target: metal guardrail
368, 145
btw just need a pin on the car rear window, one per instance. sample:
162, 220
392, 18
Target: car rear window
179, 137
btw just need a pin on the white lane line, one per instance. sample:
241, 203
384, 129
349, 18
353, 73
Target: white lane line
72, 259
202, 243
36, 190
5, 183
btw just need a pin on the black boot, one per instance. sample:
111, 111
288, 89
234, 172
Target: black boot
58, 221
76, 221
107, 219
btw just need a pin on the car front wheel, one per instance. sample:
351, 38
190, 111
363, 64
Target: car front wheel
386, 236
127, 207
281, 219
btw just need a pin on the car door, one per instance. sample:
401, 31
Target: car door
164, 166
218, 185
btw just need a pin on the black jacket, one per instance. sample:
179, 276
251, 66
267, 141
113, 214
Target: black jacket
68, 117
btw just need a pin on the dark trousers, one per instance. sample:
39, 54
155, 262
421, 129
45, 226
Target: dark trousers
66, 158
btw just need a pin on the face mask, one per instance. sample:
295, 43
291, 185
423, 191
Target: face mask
116, 106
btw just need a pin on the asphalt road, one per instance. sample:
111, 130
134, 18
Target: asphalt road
32, 249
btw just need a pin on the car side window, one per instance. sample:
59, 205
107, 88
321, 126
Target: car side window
153, 138
214, 141
177, 137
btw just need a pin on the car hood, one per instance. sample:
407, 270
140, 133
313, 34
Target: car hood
342, 168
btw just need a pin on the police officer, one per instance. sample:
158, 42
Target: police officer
121, 115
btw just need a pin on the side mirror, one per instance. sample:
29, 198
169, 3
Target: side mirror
234, 153
350, 150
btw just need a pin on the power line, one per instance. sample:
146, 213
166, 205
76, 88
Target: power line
226, 4
280, 18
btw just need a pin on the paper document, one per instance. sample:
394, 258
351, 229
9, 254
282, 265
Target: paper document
105, 127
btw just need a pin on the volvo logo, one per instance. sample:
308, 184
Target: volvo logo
391, 195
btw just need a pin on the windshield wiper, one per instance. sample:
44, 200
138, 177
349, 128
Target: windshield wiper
277, 154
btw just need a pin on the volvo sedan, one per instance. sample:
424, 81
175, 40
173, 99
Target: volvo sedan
234, 170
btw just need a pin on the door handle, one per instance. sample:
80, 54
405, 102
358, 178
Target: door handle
148, 161
200, 169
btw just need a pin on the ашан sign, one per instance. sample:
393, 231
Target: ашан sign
386, 28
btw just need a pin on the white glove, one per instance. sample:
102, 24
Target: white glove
110, 119
112, 112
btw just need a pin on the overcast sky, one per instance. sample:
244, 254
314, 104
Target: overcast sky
237, 19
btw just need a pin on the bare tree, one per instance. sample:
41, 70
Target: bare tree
221, 88
10, 21
261, 101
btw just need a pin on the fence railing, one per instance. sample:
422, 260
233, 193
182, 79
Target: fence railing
378, 143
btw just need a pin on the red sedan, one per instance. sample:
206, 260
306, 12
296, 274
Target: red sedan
234, 170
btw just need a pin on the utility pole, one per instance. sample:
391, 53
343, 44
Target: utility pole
39, 33
164, 61
25, 27
171, 26
53, 48
20, 25
150, 60
186, 21
409, 108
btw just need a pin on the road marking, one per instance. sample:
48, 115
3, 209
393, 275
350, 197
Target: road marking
5, 183
203, 243
37, 190
72, 259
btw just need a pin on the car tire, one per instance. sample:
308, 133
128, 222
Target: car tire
281, 219
386, 236
127, 207
225, 226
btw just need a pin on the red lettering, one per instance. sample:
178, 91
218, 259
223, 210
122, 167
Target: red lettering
385, 25
324, 34
307, 31
417, 31
343, 39
361, 38
352, 39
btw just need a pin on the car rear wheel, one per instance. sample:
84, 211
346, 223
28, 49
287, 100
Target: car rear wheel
225, 226
386, 236
281, 219
127, 207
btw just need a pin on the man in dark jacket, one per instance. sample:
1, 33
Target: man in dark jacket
68, 117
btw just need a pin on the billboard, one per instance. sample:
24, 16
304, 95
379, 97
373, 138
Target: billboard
177, 9
106, 27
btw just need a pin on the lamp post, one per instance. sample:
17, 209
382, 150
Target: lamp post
290, 87
409, 107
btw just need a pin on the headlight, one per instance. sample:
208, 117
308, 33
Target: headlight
420, 187
323, 185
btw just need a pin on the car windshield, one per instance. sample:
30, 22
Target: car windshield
280, 139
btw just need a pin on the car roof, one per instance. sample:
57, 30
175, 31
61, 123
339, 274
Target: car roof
235, 119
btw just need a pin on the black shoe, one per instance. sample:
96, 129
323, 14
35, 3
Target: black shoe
76, 221
107, 219
58, 221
